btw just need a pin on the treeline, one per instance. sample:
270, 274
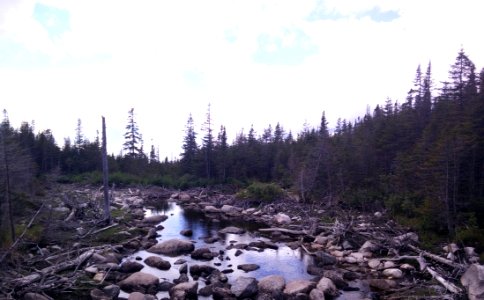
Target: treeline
422, 160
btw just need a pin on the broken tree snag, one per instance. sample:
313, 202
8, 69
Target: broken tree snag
448, 285
107, 213
29, 279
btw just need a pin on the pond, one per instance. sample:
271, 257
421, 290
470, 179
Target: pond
291, 264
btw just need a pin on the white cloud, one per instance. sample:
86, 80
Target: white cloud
169, 58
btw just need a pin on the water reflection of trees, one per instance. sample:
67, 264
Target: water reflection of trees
162, 207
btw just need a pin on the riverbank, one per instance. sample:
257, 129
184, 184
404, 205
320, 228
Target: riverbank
352, 256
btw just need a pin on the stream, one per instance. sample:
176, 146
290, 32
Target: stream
291, 264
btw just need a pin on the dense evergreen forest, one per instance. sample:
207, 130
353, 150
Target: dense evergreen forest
422, 160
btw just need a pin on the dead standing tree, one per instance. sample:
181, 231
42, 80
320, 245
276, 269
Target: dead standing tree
107, 214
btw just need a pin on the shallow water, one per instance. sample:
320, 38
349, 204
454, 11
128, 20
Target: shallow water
291, 264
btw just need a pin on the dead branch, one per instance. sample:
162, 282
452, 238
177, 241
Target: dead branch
283, 230
21, 235
437, 258
29, 279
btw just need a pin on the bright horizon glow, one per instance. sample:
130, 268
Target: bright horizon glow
256, 63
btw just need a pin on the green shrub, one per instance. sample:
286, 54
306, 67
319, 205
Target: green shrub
261, 191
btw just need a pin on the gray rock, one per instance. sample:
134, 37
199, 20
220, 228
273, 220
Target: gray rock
316, 294
368, 246
244, 287
172, 247
229, 209
131, 267
140, 282
233, 230
473, 281
137, 296
180, 261
322, 258
211, 209
336, 278
248, 267
281, 218
151, 234
165, 286
272, 284
189, 289
186, 232
154, 220
393, 273
183, 269
201, 270
203, 254
157, 262
327, 286
315, 270
382, 284
97, 294
298, 286
222, 293
112, 291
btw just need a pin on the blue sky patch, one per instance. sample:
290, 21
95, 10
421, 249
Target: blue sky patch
54, 20
377, 15
275, 50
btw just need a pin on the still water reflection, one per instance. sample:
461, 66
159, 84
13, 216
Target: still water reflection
284, 261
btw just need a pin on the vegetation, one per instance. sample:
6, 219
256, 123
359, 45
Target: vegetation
421, 160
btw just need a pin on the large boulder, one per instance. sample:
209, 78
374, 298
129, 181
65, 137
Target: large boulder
158, 262
229, 209
473, 281
327, 286
298, 286
281, 218
272, 284
322, 259
203, 254
244, 287
316, 295
154, 219
172, 247
140, 282
233, 230
211, 209
131, 267
186, 289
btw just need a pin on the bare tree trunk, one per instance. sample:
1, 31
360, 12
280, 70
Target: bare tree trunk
107, 214
7, 190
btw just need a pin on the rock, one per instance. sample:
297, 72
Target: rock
112, 291
473, 281
211, 209
322, 258
229, 209
91, 270
131, 267
316, 295
165, 286
201, 270
154, 219
368, 246
281, 218
272, 284
357, 256
157, 262
350, 276
97, 294
322, 240
189, 289
382, 284
35, 296
222, 293
298, 286
451, 248
315, 270
470, 251
244, 287
183, 278
203, 254
408, 267
137, 296
211, 239
327, 286
337, 253
248, 267
249, 211
393, 273
233, 230
152, 234
378, 214
140, 282
184, 197
186, 232
183, 269
350, 260
99, 277
81, 231
238, 252
347, 245
389, 264
374, 264
336, 278
172, 247
405, 238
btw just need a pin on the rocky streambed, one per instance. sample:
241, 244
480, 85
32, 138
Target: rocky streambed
208, 245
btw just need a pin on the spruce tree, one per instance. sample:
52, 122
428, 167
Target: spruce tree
133, 140
190, 148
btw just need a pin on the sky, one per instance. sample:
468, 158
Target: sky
256, 62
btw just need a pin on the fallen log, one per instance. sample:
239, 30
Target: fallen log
29, 279
283, 230
437, 258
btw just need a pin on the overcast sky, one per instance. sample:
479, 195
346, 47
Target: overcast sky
257, 62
